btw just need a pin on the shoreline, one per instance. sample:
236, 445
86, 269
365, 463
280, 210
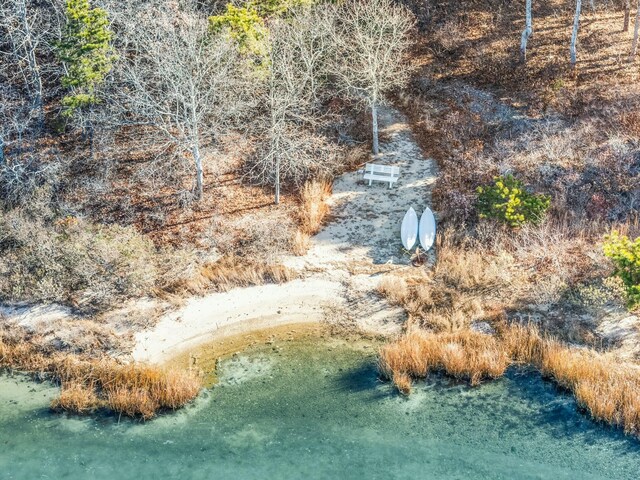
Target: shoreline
204, 357
222, 315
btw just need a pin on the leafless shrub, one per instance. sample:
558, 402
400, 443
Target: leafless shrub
21, 182
266, 238
449, 35
72, 261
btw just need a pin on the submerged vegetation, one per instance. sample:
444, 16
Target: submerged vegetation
88, 384
608, 389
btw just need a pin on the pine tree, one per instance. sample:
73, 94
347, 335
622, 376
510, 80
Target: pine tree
86, 51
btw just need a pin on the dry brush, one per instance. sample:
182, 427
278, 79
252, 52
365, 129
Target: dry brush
609, 390
88, 384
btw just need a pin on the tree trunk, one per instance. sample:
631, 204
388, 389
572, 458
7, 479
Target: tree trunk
634, 46
374, 119
277, 181
1, 151
574, 34
527, 32
627, 13
199, 175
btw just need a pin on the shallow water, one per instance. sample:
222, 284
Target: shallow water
318, 411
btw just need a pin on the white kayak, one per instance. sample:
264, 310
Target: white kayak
427, 229
409, 229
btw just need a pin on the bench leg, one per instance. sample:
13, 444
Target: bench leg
370, 182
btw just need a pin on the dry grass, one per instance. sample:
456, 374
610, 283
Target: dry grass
464, 355
394, 289
88, 384
489, 270
608, 389
232, 271
313, 205
467, 282
76, 398
301, 243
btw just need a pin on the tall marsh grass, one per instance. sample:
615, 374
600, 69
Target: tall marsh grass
232, 271
465, 355
468, 281
88, 384
606, 388
313, 205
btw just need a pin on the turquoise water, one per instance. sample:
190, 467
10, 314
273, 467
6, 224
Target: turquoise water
315, 412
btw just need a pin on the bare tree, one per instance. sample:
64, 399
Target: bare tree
178, 80
29, 29
295, 146
373, 39
21, 170
24, 43
574, 34
16, 115
527, 32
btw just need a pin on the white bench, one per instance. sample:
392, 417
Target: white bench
381, 173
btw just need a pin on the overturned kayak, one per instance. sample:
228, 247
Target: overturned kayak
409, 229
427, 229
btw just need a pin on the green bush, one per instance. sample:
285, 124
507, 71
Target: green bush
247, 24
86, 51
508, 201
625, 254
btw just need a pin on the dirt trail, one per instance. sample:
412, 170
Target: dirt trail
340, 272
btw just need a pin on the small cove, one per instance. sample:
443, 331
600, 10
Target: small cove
313, 407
